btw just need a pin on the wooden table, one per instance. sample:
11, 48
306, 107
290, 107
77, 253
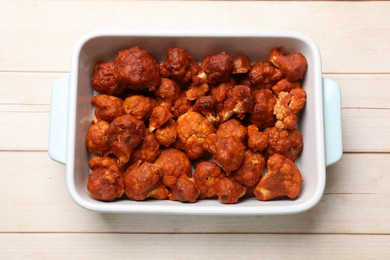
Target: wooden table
38, 219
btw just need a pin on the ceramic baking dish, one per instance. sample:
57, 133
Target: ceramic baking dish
71, 113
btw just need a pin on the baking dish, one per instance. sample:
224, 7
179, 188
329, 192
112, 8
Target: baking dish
71, 113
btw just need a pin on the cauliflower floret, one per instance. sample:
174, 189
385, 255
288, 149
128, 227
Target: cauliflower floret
288, 106
293, 64
143, 180
283, 179
229, 151
206, 174
229, 191
105, 182
192, 129
185, 190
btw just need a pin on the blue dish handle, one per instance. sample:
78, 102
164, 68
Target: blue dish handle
332, 121
59, 120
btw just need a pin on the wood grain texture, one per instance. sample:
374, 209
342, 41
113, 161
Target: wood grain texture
193, 246
39, 220
345, 32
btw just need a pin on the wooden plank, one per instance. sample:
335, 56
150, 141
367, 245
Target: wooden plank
363, 90
366, 130
24, 130
359, 173
34, 198
193, 246
344, 31
27, 88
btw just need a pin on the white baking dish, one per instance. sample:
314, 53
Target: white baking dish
71, 113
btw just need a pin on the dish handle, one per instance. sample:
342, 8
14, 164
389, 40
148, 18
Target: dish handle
59, 120
332, 121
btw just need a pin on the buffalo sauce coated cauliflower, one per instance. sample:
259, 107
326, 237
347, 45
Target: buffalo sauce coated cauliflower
105, 182
229, 191
179, 66
107, 108
97, 139
257, 141
143, 180
264, 74
139, 106
125, 134
284, 85
206, 175
282, 179
286, 142
206, 106
215, 69
173, 164
174, 129
263, 110
167, 133
185, 190
148, 150
160, 115
288, 106
293, 64
192, 129
250, 170
232, 127
239, 101
137, 69
241, 64
229, 151
103, 79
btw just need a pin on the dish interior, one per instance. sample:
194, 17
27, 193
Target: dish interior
103, 47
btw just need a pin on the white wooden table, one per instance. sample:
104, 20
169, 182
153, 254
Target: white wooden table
38, 219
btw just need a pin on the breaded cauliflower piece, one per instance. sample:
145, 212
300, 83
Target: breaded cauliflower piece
136, 69
185, 190
288, 106
105, 182
232, 127
264, 74
284, 85
97, 139
229, 151
107, 108
293, 64
263, 111
206, 174
147, 151
282, 179
167, 133
103, 79
286, 142
250, 170
257, 141
143, 180
173, 164
239, 101
192, 129
229, 191
215, 69
139, 106
179, 66
160, 115
125, 134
